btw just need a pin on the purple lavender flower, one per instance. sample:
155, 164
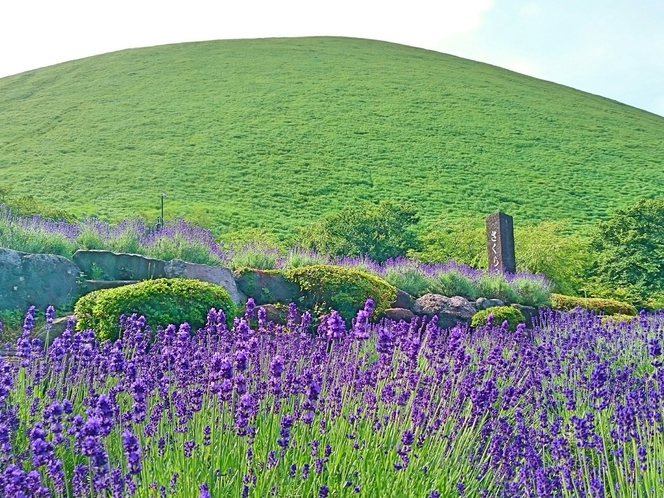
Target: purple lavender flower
204, 491
240, 361
250, 306
276, 367
654, 347
132, 451
335, 326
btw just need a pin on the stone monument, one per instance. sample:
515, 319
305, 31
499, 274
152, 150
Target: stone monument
500, 242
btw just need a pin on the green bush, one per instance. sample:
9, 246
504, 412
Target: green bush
495, 286
411, 280
530, 292
542, 248
461, 240
162, 301
297, 257
377, 231
326, 287
607, 306
455, 283
255, 255
177, 247
500, 313
630, 253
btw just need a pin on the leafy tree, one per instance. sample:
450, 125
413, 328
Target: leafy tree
630, 254
378, 231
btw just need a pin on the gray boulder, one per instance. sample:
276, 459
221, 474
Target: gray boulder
266, 287
36, 279
450, 310
483, 303
403, 300
398, 314
107, 265
528, 312
177, 268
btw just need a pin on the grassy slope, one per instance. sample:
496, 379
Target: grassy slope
277, 132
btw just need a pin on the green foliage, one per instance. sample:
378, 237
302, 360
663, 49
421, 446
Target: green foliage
530, 293
495, 286
27, 205
12, 323
161, 301
410, 280
546, 248
630, 253
32, 240
376, 126
549, 249
455, 283
255, 255
177, 247
461, 240
297, 257
607, 306
379, 232
500, 313
5, 190
340, 288
89, 239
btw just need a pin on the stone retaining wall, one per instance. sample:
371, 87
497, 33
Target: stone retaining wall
47, 279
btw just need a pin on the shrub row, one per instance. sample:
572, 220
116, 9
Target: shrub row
607, 306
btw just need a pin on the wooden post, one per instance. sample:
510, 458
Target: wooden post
500, 242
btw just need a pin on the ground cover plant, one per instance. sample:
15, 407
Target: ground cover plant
273, 134
571, 408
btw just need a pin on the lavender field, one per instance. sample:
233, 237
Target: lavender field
570, 408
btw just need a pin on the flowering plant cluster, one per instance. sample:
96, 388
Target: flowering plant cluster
570, 408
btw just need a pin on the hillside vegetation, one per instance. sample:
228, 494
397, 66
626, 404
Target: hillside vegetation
275, 133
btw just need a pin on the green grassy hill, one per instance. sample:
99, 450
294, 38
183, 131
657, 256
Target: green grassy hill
274, 133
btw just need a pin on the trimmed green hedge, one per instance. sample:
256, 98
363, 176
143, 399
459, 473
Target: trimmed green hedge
326, 287
162, 301
500, 313
607, 306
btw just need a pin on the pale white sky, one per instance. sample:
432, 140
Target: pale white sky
607, 47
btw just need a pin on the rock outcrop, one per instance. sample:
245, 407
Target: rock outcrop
450, 310
108, 265
266, 287
36, 279
483, 303
218, 275
398, 314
